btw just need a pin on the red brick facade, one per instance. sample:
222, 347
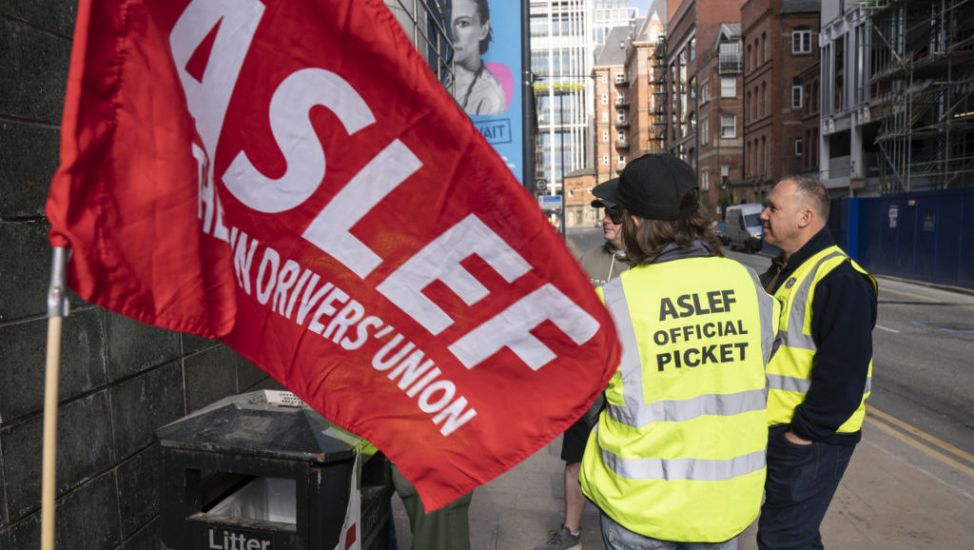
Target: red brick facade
703, 126
778, 47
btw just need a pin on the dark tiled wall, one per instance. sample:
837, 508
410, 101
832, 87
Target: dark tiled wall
120, 380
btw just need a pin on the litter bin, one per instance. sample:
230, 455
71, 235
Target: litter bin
262, 471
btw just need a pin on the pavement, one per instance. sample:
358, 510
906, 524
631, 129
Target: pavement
894, 496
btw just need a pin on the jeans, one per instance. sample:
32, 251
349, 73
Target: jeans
800, 484
617, 537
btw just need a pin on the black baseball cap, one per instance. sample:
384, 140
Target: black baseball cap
606, 194
656, 186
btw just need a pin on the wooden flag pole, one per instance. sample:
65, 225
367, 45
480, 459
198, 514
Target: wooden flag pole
57, 310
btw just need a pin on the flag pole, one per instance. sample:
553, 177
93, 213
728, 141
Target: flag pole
57, 309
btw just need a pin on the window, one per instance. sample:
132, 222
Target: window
605, 135
725, 170
705, 91
693, 48
704, 180
728, 86
704, 131
728, 126
796, 96
605, 116
604, 78
799, 147
801, 40
764, 155
764, 98
605, 99
605, 160
621, 136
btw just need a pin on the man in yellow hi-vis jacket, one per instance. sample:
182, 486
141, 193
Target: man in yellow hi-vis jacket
821, 375
677, 459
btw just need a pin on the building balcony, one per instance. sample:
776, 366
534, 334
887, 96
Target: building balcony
622, 102
622, 80
622, 123
730, 66
622, 144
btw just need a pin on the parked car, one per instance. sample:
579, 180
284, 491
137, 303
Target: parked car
743, 226
721, 229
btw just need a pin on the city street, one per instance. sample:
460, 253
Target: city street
911, 480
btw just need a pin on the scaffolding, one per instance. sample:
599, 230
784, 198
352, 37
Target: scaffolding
922, 85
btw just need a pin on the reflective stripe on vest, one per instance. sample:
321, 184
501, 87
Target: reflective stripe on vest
693, 469
794, 337
636, 413
801, 385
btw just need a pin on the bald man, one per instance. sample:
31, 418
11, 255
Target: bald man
820, 376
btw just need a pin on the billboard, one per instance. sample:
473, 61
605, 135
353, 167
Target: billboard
487, 69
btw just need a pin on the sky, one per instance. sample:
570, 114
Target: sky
643, 6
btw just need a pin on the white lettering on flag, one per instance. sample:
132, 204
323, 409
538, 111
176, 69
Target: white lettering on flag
296, 137
510, 329
440, 260
330, 229
208, 99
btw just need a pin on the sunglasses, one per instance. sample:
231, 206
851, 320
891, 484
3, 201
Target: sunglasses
614, 214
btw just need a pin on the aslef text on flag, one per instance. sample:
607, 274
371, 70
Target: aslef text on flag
290, 177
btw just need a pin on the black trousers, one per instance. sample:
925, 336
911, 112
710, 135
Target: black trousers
801, 482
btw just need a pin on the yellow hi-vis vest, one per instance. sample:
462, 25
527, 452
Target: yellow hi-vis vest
790, 371
678, 453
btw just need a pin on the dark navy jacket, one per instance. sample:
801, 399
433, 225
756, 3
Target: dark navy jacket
843, 317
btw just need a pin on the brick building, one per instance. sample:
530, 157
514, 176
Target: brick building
720, 143
779, 45
809, 80
690, 57
641, 110
579, 197
611, 103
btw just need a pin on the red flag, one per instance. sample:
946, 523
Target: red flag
289, 176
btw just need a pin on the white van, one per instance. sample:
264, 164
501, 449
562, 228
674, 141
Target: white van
743, 227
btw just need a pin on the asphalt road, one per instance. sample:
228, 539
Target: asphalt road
923, 364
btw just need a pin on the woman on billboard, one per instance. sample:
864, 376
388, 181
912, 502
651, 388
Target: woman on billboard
476, 90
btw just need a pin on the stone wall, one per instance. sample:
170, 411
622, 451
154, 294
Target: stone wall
120, 380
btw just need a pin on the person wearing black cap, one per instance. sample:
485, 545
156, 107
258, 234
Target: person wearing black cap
677, 458
607, 260
602, 264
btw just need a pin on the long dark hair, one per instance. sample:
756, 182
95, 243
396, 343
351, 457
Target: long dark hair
646, 242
